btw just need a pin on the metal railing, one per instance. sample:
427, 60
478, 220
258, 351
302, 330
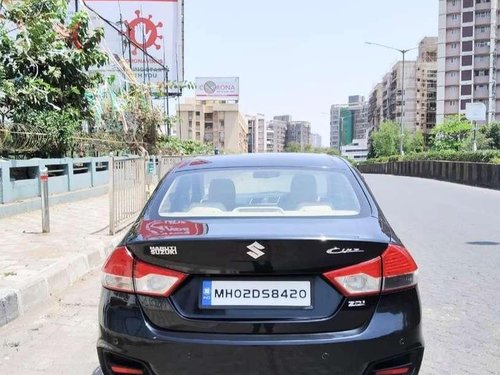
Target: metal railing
131, 179
166, 163
127, 193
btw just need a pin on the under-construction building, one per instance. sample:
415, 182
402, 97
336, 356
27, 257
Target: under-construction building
426, 75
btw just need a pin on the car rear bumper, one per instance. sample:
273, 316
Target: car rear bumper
393, 338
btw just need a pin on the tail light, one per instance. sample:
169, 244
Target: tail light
121, 273
394, 371
126, 370
394, 270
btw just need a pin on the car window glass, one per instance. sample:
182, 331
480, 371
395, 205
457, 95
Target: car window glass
260, 192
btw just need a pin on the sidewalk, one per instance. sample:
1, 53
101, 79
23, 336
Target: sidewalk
33, 266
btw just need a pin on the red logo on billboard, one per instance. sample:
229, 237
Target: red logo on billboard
144, 32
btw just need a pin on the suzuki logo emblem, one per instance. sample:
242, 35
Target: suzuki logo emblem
256, 250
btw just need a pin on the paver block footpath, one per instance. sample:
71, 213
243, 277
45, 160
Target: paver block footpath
36, 266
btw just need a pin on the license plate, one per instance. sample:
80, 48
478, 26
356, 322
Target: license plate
220, 293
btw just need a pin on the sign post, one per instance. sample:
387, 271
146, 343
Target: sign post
44, 189
475, 112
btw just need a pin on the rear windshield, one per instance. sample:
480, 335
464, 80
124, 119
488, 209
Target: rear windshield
260, 192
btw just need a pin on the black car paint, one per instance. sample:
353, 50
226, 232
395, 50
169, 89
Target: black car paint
145, 328
394, 330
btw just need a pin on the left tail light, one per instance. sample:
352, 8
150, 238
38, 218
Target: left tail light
122, 273
394, 270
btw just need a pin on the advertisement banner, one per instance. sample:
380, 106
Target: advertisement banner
154, 25
218, 88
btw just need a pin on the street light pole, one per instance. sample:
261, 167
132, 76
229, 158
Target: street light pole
403, 104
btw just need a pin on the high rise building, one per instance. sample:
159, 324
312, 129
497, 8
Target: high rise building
420, 82
395, 107
335, 126
468, 56
388, 94
348, 121
276, 135
426, 75
257, 133
375, 101
359, 110
285, 118
298, 132
216, 122
315, 140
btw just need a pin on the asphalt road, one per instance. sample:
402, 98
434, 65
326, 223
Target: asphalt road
452, 230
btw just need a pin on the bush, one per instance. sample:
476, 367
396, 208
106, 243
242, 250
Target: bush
176, 146
483, 156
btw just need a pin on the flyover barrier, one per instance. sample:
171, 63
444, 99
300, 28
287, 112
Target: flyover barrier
475, 174
129, 179
19, 179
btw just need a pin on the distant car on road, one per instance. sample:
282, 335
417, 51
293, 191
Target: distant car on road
261, 264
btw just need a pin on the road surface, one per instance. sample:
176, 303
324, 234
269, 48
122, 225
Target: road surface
452, 230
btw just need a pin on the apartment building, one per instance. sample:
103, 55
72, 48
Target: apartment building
468, 56
285, 118
257, 133
298, 132
276, 135
420, 89
426, 75
316, 140
218, 123
393, 98
335, 119
386, 98
375, 101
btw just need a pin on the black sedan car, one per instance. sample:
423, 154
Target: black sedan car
261, 264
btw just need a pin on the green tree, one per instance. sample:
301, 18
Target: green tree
452, 134
385, 140
492, 134
482, 142
413, 142
176, 146
46, 73
293, 147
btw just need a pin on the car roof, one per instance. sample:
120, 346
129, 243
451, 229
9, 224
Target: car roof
264, 160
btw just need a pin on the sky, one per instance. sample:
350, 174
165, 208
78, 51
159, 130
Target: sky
300, 57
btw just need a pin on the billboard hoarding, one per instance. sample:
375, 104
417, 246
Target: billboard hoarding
154, 25
218, 88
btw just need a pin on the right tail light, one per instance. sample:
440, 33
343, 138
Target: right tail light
394, 270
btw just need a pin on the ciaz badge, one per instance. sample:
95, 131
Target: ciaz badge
163, 250
338, 250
